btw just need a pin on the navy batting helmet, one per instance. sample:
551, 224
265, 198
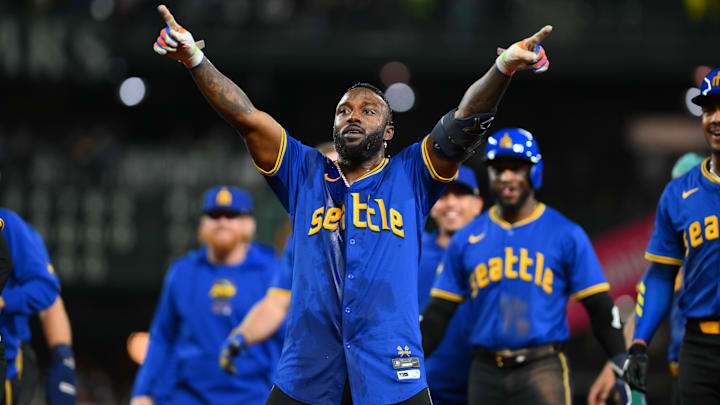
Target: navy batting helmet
517, 143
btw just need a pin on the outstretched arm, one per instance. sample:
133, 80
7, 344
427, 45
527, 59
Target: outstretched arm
262, 134
457, 135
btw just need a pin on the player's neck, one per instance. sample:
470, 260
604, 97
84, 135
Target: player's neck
715, 163
443, 238
352, 171
232, 257
515, 214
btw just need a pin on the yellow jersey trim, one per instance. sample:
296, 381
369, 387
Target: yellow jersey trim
376, 170
566, 377
278, 161
446, 295
706, 172
278, 291
663, 259
428, 163
592, 290
2, 224
331, 180
495, 217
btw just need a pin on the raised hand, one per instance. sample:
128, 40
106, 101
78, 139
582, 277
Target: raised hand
525, 54
176, 42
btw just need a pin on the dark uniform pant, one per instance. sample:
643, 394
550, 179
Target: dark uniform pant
699, 377
541, 381
19, 390
278, 397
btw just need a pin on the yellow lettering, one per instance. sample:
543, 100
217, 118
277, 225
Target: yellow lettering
473, 285
396, 222
496, 268
711, 227
685, 242
716, 80
510, 259
370, 213
539, 263
481, 274
547, 281
331, 218
525, 262
357, 206
317, 219
695, 238
383, 214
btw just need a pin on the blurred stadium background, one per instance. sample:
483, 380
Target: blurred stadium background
106, 148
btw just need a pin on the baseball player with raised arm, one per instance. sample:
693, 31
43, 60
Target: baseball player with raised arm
686, 234
517, 265
205, 294
353, 333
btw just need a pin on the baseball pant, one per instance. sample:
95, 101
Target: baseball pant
700, 371
543, 381
20, 389
277, 397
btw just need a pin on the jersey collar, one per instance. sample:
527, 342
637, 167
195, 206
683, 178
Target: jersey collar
495, 217
706, 172
376, 170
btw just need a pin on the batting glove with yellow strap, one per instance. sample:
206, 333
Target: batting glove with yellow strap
523, 55
177, 43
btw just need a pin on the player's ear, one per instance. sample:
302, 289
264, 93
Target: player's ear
478, 205
389, 132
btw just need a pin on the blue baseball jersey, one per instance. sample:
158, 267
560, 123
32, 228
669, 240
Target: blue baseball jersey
356, 249
686, 233
31, 288
449, 366
199, 305
517, 277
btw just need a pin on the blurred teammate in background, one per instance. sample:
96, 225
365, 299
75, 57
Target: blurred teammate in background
6, 267
686, 234
449, 366
205, 294
604, 384
517, 264
355, 292
33, 288
268, 315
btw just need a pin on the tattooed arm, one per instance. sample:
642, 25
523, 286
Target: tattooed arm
261, 132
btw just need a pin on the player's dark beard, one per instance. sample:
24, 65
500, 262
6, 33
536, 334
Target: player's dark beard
360, 153
516, 206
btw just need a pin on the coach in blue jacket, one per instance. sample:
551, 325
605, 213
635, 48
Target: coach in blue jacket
205, 294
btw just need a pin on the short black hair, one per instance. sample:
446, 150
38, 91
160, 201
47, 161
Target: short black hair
364, 85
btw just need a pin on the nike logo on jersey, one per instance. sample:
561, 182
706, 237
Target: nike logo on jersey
473, 239
686, 194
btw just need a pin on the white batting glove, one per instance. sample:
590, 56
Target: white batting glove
176, 42
526, 54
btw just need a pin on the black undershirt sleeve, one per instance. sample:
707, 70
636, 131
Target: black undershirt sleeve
606, 325
434, 320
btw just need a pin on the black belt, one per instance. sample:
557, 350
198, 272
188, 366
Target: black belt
507, 358
707, 326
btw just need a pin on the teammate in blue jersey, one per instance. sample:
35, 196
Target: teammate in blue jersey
353, 333
604, 384
205, 293
516, 265
686, 234
33, 289
6, 268
449, 366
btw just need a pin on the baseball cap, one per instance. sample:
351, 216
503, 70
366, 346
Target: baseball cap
710, 87
685, 163
227, 198
466, 177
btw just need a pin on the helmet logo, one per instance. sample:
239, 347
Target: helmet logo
224, 197
506, 141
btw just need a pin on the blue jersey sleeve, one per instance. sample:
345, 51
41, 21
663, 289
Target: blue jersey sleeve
451, 284
163, 330
585, 276
34, 286
282, 280
290, 169
427, 182
666, 244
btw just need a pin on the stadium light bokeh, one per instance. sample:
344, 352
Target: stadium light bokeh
132, 91
401, 97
